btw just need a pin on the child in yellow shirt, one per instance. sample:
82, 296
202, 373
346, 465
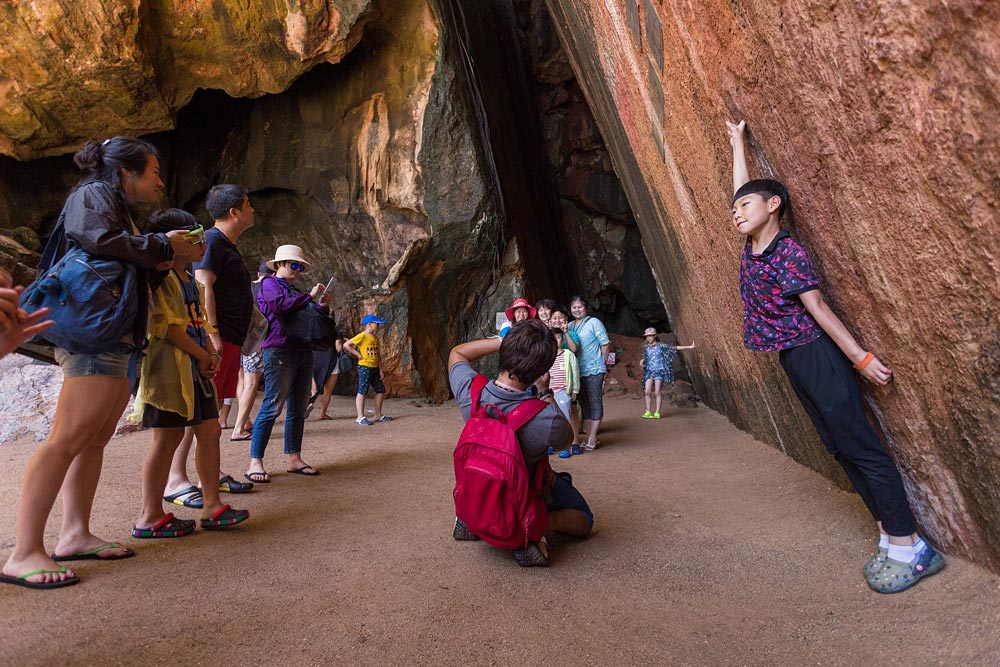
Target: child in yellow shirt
176, 391
364, 346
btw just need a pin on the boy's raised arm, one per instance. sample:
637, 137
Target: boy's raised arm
472, 350
736, 138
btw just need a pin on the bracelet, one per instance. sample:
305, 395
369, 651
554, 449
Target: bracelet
860, 366
214, 354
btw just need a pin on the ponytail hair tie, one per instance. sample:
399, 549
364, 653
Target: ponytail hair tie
105, 143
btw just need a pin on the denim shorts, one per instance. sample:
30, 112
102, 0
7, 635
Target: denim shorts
565, 496
111, 364
369, 378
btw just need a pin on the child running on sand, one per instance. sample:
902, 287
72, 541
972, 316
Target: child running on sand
784, 312
657, 368
176, 391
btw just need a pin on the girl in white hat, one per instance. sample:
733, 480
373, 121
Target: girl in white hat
657, 367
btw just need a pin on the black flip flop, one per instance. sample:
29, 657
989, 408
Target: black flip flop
302, 471
194, 500
229, 485
265, 477
95, 554
39, 585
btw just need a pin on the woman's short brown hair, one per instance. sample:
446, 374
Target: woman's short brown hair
527, 351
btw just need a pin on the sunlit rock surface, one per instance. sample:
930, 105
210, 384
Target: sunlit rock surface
881, 118
72, 70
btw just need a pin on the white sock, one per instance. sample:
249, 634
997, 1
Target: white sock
883, 541
906, 554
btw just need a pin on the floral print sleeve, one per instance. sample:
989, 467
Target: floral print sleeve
796, 275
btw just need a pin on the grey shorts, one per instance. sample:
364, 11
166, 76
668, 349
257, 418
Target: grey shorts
591, 396
111, 364
252, 363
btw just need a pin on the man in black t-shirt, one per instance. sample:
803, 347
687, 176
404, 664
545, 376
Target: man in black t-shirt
228, 300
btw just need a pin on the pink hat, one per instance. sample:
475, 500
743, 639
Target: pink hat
649, 332
519, 303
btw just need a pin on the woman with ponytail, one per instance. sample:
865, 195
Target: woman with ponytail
99, 218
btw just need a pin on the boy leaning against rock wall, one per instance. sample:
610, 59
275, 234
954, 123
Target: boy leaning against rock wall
784, 312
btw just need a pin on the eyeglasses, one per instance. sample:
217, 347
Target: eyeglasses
296, 266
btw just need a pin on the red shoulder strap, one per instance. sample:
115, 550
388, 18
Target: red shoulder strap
478, 384
525, 412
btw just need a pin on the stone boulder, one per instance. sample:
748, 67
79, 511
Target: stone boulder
881, 119
29, 392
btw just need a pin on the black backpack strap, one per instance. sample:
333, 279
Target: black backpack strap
55, 246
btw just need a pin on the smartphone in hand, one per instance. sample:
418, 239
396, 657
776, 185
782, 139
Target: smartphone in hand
329, 285
197, 235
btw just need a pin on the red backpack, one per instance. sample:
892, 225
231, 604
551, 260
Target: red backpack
494, 494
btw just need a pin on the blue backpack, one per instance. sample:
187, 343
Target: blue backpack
92, 300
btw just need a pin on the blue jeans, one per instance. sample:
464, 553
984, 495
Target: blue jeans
287, 379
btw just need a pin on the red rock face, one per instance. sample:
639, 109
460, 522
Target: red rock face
881, 117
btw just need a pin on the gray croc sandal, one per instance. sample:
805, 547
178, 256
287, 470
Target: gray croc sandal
874, 564
896, 576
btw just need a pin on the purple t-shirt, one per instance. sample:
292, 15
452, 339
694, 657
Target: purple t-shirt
276, 298
774, 317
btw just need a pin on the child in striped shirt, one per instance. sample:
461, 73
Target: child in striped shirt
564, 382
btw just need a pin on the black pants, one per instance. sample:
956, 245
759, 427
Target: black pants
824, 381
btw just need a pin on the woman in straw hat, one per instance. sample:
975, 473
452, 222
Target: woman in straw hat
287, 365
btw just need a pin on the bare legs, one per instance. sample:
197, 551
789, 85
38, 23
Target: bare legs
653, 387
574, 421
324, 403
71, 459
178, 478
359, 403
224, 414
245, 399
592, 426
156, 469
569, 522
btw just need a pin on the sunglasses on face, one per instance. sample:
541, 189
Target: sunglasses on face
296, 266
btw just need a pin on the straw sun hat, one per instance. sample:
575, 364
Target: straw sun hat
288, 253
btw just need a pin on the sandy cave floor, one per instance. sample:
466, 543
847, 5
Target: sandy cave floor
710, 549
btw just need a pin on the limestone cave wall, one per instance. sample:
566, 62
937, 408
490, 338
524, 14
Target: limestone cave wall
882, 119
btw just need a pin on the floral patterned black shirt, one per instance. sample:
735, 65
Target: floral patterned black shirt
774, 317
